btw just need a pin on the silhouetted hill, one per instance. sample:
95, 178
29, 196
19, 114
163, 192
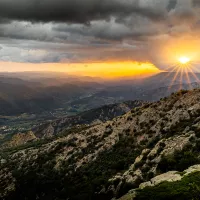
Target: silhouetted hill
18, 96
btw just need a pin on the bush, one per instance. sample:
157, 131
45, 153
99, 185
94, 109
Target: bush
186, 189
149, 176
139, 164
180, 161
153, 142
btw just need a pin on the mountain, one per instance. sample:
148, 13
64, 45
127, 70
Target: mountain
161, 92
50, 78
18, 81
18, 96
110, 159
93, 116
165, 79
141, 93
47, 93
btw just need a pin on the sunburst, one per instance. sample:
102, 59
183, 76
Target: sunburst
183, 68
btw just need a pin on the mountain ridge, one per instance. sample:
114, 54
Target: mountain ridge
107, 160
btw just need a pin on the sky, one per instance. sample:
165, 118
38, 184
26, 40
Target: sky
108, 38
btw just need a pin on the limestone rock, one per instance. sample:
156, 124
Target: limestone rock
170, 176
192, 169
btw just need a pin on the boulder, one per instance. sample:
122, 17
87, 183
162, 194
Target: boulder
170, 176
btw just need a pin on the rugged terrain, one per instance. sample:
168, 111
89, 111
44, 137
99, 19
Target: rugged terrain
112, 158
94, 116
60, 126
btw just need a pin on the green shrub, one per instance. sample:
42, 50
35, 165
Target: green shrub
186, 189
180, 161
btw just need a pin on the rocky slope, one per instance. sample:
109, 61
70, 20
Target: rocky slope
94, 116
171, 185
106, 160
60, 126
19, 139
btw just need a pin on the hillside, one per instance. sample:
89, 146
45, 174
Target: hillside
94, 116
161, 92
172, 185
151, 92
62, 125
106, 160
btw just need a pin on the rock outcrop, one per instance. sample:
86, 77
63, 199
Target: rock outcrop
20, 139
171, 176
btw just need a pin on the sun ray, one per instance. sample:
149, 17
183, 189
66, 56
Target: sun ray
192, 67
181, 79
175, 76
174, 69
194, 75
185, 72
171, 67
187, 78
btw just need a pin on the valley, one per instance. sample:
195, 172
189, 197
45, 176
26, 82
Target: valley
26, 103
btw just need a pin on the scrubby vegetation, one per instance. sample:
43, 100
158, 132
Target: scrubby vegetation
180, 160
99, 161
40, 179
186, 189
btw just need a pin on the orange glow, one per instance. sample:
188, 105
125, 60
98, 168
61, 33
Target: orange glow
173, 50
107, 70
115, 70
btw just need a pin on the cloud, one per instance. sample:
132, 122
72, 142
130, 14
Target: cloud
81, 11
111, 30
93, 30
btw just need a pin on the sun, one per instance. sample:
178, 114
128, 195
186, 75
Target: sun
184, 60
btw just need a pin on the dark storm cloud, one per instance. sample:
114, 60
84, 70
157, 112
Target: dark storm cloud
131, 27
110, 30
75, 10
171, 5
4, 21
88, 30
107, 19
184, 13
196, 2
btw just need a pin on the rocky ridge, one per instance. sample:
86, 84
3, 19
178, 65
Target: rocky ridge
94, 117
59, 126
107, 160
